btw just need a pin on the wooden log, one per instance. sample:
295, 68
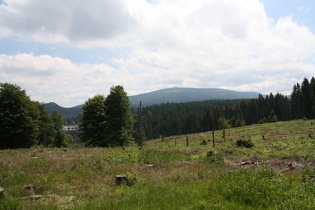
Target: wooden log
32, 197
151, 166
121, 179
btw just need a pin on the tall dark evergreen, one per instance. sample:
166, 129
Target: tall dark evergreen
119, 117
306, 99
296, 102
282, 107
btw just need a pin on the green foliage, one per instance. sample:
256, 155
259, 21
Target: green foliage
303, 99
93, 122
119, 117
185, 118
272, 116
24, 123
19, 118
261, 189
107, 121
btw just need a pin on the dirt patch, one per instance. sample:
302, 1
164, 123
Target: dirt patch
279, 165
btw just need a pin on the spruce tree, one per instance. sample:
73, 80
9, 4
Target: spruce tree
119, 117
312, 90
306, 100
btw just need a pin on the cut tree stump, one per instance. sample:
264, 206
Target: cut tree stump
210, 153
30, 189
2, 193
204, 142
120, 179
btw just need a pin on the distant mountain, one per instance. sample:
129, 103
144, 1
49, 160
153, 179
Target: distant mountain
65, 112
171, 95
178, 95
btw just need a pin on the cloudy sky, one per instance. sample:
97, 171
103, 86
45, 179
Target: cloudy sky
68, 51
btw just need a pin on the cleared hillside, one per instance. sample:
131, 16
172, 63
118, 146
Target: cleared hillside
276, 173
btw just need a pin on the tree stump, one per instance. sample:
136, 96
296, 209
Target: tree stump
204, 142
210, 153
2, 193
30, 189
120, 179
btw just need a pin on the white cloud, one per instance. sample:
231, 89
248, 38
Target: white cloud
76, 22
207, 43
46, 78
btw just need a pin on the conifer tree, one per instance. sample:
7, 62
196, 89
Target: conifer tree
312, 90
119, 117
306, 100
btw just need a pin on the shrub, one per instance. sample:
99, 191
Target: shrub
244, 143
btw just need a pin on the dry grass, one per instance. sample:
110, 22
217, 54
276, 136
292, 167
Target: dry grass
84, 178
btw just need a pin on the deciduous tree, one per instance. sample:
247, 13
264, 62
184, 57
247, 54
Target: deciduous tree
93, 122
19, 118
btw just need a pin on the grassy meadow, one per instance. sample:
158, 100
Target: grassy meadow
276, 173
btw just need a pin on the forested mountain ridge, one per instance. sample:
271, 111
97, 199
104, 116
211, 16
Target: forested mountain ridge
69, 114
169, 95
193, 117
179, 95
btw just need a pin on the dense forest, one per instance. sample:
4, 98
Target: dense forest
184, 118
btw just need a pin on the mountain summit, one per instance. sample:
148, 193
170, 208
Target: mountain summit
178, 95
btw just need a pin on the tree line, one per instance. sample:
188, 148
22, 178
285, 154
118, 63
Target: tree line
25, 123
110, 121
184, 118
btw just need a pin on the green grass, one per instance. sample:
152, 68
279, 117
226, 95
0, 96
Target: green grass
182, 178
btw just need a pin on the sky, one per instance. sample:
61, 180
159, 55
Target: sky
69, 51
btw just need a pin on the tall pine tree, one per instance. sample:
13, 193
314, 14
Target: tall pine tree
119, 117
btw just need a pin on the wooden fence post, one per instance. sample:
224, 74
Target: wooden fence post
187, 141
